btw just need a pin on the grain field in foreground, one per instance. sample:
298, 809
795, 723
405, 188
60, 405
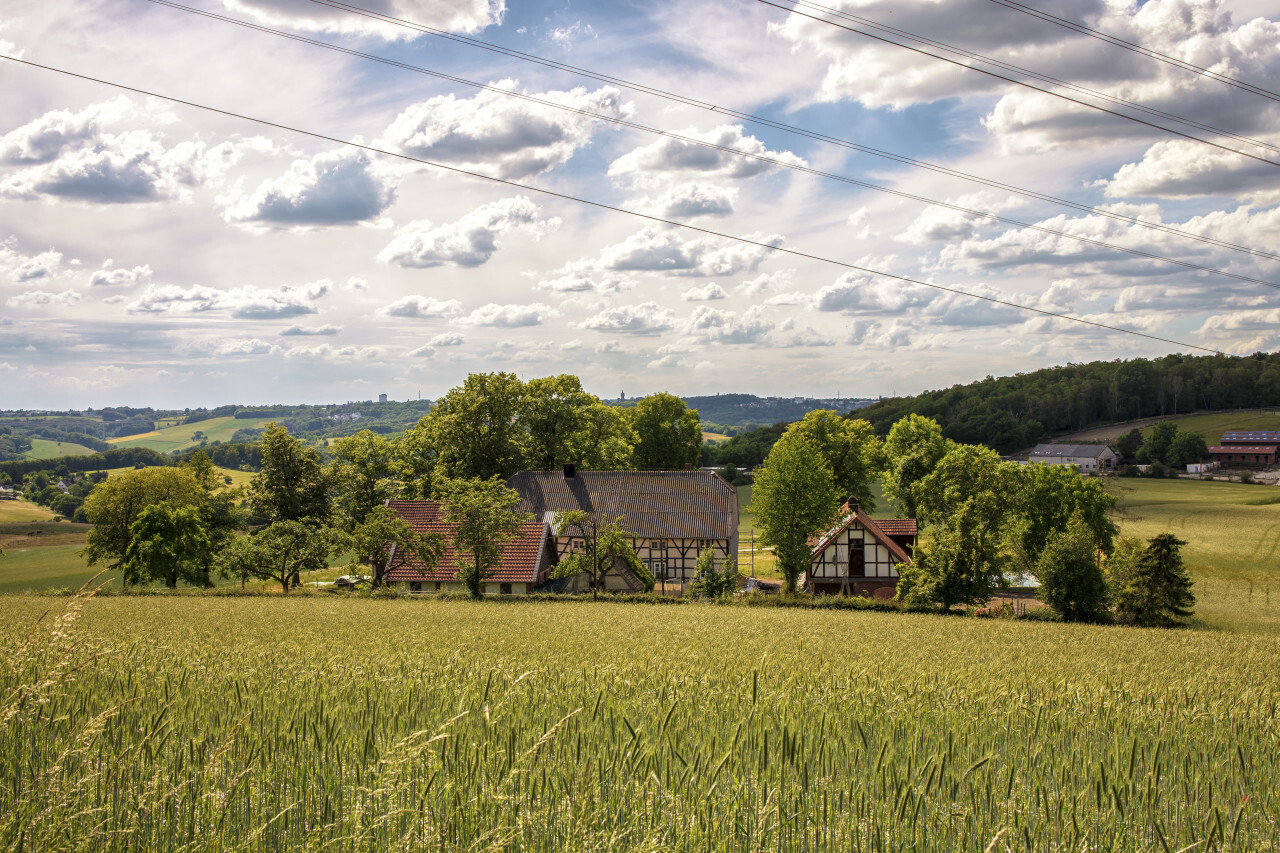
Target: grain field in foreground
196, 723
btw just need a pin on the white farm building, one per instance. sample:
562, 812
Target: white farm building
1086, 457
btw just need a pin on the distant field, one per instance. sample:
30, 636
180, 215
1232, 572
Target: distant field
1213, 426
43, 448
1233, 543
180, 437
714, 436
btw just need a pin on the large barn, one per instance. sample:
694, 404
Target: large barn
526, 563
1089, 458
675, 515
860, 556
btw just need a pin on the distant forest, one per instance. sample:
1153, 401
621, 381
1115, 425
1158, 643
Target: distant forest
1018, 411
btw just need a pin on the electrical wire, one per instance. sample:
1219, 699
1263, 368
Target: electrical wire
781, 126
1139, 49
602, 206
727, 149
796, 10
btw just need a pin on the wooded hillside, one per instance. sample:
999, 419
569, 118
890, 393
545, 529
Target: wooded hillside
1015, 412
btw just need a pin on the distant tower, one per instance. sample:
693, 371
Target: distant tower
382, 398
622, 395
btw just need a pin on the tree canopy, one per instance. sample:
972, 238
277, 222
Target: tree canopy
669, 433
794, 499
485, 519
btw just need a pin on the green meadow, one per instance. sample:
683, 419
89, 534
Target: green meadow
182, 436
1213, 426
43, 448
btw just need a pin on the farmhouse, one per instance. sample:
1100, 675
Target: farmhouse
675, 515
1086, 457
526, 562
861, 555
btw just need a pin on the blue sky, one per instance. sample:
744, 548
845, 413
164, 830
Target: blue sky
153, 253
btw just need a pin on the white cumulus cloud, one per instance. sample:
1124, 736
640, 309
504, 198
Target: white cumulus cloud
468, 242
339, 187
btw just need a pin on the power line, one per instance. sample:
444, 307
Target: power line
1137, 48
602, 206
797, 11
782, 126
727, 149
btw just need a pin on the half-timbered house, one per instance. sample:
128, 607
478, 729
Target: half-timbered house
860, 556
675, 515
527, 561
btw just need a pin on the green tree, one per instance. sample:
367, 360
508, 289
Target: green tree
416, 461
1158, 443
282, 552
1157, 589
292, 484
483, 513
554, 414
1048, 497
168, 544
794, 499
1187, 447
913, 449
115, 504
383, 539
712, 581
851, 449
606, 544
606, 440
669, 433
960, 561
362, 473
1128, 444
474, 431
1071, 580
969, 473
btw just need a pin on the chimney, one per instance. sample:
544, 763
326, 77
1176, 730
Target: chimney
570, 470
853, 504
688, 466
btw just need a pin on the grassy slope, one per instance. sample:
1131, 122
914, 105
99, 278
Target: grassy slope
43, 448
20, 511
1213, 426
179, 437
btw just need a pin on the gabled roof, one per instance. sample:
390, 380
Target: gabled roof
656, 504
1244, 448
1058, 451
869, 524
523, 560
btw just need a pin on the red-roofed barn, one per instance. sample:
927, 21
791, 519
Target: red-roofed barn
526, 561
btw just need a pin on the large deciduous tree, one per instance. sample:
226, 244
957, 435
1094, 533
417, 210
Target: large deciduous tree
282, 552
554, 413
362, 473
913, 449
851, 449
115, 504
168, 544
484, 517
475, 430
794, 499
293, 484
1071, 579
668, 433
1047, 498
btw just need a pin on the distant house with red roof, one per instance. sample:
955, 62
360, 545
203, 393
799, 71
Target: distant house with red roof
526, 563
860, 555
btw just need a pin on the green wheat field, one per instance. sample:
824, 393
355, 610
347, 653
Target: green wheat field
261, 724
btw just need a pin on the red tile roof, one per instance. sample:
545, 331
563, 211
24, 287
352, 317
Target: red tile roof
898, 526
527, 559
